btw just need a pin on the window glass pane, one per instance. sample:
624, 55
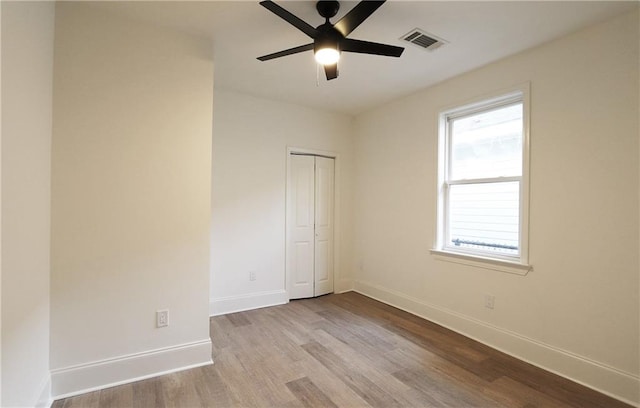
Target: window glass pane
485, 217
487, 144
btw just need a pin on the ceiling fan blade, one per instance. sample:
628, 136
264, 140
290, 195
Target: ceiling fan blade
289, 18
284, 53
356, 16
331, 71
366, 47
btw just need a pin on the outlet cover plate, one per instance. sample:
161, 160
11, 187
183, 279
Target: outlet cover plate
162, 318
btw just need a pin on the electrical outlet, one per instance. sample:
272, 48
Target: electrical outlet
489, 301
252, 275
162, 318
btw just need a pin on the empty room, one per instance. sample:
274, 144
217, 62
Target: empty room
320, 204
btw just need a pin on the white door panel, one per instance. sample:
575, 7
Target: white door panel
311, 212
302, 233
324, 184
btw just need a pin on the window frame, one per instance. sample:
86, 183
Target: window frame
503, 262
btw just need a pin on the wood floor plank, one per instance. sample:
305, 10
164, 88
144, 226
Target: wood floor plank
240, 390
559, 388
438, 389
90, 399
117, 397
374, 367
209, 386
147, 393
346, 350
442, 370
365, 388
178, 390
302, 311
297, 331
316, 305
513, 393
271, 335
446, 350
238, 319
361, 328
341, 394
309, 394
358, 346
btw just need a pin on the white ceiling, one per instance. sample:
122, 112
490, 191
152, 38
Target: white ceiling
478, 33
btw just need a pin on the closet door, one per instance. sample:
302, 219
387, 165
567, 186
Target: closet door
323, 268
301, 228
310, 219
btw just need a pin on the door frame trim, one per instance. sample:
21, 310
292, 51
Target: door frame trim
292, 150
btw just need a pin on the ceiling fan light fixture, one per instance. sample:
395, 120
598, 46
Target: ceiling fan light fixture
327, 56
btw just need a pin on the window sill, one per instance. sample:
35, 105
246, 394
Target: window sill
480, 262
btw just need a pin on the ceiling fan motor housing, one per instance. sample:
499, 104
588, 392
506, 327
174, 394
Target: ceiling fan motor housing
328, 37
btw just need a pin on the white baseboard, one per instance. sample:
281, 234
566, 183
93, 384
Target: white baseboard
598, 376
69, 381
232, 304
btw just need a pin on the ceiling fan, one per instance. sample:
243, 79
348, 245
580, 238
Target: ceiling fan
330, 39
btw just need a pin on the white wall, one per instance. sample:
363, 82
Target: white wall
250, 139
130, 199
27, 71
27, 78
577, 313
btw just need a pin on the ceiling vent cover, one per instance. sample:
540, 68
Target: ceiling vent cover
424, 40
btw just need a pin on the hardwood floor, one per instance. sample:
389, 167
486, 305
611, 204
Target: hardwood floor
346, 351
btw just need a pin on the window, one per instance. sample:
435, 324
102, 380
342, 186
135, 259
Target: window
483, 180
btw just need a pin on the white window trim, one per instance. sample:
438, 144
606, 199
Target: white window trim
482, 262
510, 264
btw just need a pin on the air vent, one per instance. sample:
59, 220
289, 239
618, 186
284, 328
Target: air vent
424, 40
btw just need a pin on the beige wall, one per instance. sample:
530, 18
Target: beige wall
577, 312
27, 71
130, 198
250, 140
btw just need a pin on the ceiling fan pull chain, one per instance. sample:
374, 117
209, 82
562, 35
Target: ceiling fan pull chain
317, 75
